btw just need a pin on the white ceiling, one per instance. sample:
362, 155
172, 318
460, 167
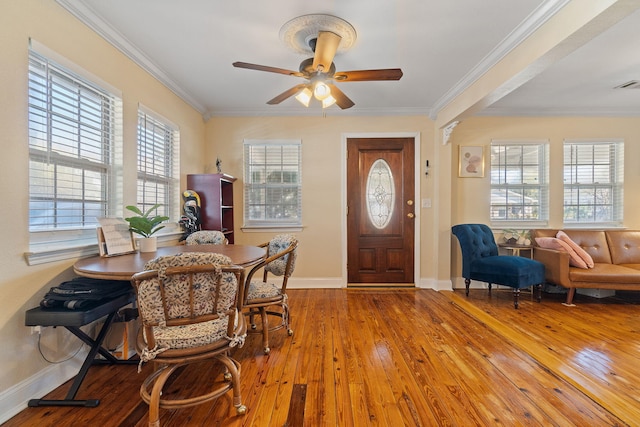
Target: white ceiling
441, 46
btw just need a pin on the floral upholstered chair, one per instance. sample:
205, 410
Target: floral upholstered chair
191, 309
263, 297
206, 237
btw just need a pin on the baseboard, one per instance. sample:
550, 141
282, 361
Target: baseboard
316, 283
15, 398
338, 282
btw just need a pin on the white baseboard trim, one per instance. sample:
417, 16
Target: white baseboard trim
438, 285
339, 282
458, 283
15, 398
316, 283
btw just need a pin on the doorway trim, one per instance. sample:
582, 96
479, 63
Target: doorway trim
343, 196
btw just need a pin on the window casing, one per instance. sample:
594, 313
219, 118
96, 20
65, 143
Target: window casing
158, 160
519, 183
593, 183
74, 155
272, 183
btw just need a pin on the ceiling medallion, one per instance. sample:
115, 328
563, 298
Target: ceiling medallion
297, 33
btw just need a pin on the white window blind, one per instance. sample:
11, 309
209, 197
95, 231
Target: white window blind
72, 131
272, 183
519, 183
158, 160
593, 182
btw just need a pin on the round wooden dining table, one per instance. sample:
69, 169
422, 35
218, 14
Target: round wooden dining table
122, 267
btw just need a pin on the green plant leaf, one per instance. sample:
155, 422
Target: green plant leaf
144, 224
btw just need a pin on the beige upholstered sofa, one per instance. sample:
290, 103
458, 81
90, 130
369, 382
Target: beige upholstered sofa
615, 255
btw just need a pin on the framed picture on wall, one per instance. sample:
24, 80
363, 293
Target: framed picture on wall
471, 161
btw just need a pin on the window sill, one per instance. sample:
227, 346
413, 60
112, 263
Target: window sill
53, 254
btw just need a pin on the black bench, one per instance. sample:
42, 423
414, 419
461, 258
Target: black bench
72, 320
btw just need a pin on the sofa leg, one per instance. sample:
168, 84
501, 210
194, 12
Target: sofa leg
516, 295
570, 294
539, 292
489, 287
467, 282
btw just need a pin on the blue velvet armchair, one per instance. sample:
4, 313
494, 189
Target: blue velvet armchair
480, 261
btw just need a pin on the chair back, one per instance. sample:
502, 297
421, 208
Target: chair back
189, 288
206, 237
476, 241
281, 255
280, 261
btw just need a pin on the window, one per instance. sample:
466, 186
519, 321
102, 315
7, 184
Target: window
73, 155
519, 189
158, 155
593, 177
273, 183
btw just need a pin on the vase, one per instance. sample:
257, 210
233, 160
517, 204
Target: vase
148, 244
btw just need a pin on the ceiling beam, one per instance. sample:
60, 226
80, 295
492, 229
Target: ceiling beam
571, 27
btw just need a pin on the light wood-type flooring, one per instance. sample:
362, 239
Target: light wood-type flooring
406, 357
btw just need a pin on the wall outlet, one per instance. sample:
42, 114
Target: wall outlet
36, 330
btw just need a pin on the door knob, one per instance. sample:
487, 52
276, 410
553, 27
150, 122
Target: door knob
410, 202
410, 215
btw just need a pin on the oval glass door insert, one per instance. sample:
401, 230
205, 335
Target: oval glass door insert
380, 194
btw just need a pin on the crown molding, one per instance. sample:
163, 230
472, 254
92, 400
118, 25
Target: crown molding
316, 112
87, 16
537, 18
558, 112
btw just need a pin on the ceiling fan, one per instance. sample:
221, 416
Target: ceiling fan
321, 74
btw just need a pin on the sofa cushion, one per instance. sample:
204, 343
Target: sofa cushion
624, 246
558, 245
576, 247
594, 242
514, 271
605, 274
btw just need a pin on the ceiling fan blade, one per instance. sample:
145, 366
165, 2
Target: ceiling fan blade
286, 94
368, 75
267, 68
342, 100
326, 48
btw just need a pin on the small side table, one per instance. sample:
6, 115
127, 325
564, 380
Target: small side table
516, 250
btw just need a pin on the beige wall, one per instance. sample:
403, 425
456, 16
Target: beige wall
469, 196
454, 200
321, 254
22, 286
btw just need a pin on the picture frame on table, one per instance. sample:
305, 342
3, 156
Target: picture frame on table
471, 161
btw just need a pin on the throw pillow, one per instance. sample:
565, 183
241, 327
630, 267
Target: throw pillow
559, 245
581, 252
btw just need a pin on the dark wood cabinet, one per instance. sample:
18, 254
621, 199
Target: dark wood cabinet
216, 201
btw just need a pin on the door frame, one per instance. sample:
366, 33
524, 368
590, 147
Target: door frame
417, 196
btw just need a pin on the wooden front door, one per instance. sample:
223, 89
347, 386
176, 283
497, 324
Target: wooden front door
380, 210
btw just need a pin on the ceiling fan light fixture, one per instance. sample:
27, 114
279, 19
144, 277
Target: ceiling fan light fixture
328, 101
304, 97
321, 91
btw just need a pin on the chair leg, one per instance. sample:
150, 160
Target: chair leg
156, 393
286, 315
265, 330
252, 320
467, 282
516, 295
233, 367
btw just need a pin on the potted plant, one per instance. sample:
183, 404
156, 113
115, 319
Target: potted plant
146, 225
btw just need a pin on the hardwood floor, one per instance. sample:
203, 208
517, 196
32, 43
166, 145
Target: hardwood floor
393, 357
